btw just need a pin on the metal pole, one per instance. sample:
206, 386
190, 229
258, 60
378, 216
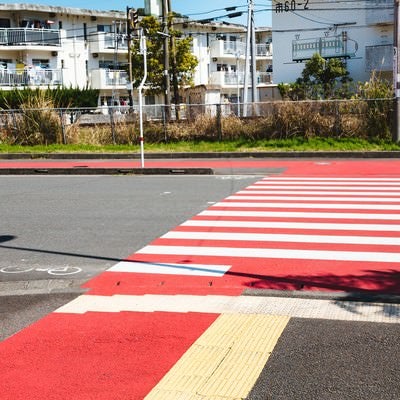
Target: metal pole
166, 59
129, 32
253, 61
396, 70
143, 50
247, 63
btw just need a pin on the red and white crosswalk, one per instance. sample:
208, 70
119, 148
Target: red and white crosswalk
164, 323
307, 233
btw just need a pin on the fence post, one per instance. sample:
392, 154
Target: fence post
111, 111
63, 127
219, 122
164, 118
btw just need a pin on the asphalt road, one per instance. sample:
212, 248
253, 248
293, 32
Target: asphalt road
89, 222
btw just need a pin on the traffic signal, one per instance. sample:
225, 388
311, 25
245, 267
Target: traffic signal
134, 17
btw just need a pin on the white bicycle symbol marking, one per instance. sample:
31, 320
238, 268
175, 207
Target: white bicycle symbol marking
51, 271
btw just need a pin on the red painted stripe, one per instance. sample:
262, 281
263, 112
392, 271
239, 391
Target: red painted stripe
302, 220
248, 273
102, 356
276, 245
309, 212
283, 231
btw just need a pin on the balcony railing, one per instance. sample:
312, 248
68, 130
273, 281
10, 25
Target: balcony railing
236, 48
31, 77
264, 50
116, 78
233, 78
108, 42
29, 37
103, 78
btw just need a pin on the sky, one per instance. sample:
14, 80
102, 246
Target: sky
185, 7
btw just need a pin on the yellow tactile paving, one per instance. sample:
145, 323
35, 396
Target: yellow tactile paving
225, 361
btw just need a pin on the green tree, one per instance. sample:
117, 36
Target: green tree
320, 79
181, 58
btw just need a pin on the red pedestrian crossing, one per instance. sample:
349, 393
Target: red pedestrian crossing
330, 234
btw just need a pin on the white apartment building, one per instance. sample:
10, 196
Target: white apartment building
48, 46
360, 32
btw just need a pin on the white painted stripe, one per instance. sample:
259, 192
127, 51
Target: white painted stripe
293, 307
254, 196
293, 225
330, 206
311, 179
328, 255
291, 214
269, 237
259, 190
170, 269
320, 187
326, 183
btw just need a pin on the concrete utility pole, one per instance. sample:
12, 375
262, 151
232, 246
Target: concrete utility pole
253, 60
250, 49
167, 89
396, 69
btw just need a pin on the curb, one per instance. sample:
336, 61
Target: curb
268, 154
365, 297
106, 171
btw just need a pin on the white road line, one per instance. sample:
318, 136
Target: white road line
268, 237
170, 269
292, 225
293, 307
311, 179
260, 190
379, 257
245, 195
330, 206
291, 214
328, 187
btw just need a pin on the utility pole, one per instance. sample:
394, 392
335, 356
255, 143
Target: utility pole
253, 61
166, 60
396, 69
174, 76
250, 22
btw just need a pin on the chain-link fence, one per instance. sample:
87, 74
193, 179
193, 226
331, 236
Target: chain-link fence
364, 119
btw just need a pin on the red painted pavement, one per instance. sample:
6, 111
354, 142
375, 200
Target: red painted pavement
124, 355
99, 356
322, 167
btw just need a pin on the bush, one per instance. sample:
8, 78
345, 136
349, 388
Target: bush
38, 123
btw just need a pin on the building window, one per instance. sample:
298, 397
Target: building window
45, 64
4, 23
104, 28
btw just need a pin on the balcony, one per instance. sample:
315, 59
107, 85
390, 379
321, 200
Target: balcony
227, 48
30, 77
29, 37
235, 48
102, 42
230, 79
108, 79
264, 50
